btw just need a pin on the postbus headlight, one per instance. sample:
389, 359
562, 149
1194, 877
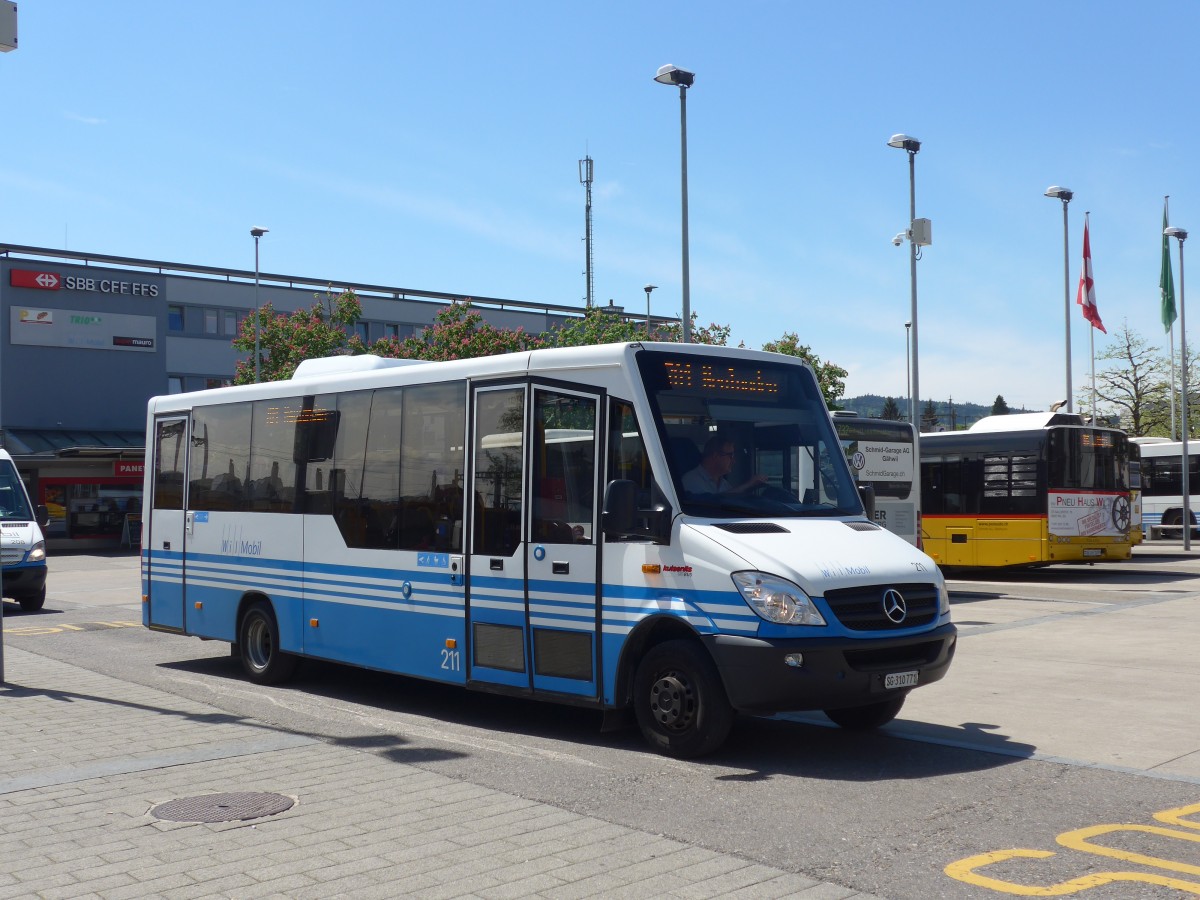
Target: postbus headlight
777, 599
38, 552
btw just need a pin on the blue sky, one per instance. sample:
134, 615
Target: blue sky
436, 146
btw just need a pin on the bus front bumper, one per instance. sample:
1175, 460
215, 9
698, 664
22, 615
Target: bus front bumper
24, 580
832, 672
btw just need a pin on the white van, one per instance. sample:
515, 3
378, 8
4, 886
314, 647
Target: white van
22, 545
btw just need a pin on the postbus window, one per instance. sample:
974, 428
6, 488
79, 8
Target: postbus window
220, 457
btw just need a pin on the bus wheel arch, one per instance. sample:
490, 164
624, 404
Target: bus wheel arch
649, 632
258, 643
677, 694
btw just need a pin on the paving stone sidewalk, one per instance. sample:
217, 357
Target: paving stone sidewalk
88, 757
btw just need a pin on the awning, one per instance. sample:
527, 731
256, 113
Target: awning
31, 442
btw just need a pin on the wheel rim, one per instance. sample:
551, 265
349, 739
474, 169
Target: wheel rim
258, 646
673, 701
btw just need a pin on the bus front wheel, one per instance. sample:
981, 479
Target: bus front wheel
33, 602
680, 702
258, 639
866, 718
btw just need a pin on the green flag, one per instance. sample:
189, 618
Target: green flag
1166, 285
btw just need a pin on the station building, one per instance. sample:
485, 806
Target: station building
86, 339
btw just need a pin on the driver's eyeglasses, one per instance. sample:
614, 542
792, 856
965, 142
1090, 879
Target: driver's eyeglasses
727, 455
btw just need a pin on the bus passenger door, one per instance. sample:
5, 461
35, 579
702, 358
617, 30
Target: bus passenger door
562, 586
497, 649
166, 532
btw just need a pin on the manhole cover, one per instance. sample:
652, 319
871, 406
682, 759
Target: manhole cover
235, 807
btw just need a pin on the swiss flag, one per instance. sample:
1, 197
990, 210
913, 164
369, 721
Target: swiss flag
1086, 297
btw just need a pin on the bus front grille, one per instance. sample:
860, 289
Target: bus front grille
867, 608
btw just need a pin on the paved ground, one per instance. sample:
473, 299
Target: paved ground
89, 757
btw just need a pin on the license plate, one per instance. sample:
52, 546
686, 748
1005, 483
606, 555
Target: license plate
1092, 551
899, 680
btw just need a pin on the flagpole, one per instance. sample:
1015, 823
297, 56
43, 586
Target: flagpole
1092, 337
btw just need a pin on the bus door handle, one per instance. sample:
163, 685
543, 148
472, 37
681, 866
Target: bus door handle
561, 568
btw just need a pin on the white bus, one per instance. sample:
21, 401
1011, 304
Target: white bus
880, 453
519, 524
1162, 485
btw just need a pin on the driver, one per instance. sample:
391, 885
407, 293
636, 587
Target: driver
709, 477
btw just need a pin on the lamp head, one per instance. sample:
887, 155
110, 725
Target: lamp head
258, 231
1175, 232
650, 287
905, 142
670, 74
1060, 193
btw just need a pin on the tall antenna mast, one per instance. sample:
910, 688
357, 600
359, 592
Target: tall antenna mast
585, 178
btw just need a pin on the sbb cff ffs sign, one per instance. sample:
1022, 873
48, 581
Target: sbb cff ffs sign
52, 281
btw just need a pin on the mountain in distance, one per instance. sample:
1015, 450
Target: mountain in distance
956, 415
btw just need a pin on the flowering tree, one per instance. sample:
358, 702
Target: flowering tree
829, 375
287, 340
458, 332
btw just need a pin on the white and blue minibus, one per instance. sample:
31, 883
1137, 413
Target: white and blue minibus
529, 524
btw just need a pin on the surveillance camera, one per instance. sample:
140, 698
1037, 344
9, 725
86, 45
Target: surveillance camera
898, 239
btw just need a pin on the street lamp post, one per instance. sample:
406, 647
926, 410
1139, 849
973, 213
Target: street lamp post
256, 232
908, 371
1065, 195
1181, 235
648, 288
669, 74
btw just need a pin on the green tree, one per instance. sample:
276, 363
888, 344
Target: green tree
891, 410
999, 407
830, 376
286, 340
1135, 385
929, 418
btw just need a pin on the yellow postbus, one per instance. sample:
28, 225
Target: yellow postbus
1026, 490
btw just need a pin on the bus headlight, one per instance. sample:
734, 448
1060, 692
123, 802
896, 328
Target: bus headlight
38, 553
943, 599
777, 599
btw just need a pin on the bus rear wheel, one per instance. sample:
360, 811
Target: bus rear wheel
866, 718
258, 639
680, 702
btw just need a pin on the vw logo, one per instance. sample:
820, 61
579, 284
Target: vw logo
894, 606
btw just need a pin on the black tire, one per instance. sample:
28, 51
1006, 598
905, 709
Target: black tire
258, 639
866, 718
33, 602
680, 702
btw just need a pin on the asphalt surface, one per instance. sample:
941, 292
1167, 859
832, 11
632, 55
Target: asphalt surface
1071, 705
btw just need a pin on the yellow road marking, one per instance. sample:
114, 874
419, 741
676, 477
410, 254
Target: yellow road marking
39, 630
966, 870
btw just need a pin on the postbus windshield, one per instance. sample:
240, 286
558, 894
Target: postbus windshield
747, 438
1093, 459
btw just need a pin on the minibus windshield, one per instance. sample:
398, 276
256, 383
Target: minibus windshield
13, 505
745, 438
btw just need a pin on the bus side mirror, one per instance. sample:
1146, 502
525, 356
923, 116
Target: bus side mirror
620, 508
622, 518
866, 493
43, 516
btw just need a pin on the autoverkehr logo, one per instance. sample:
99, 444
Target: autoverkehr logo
42, 281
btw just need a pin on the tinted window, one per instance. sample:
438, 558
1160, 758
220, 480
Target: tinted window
220, 457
